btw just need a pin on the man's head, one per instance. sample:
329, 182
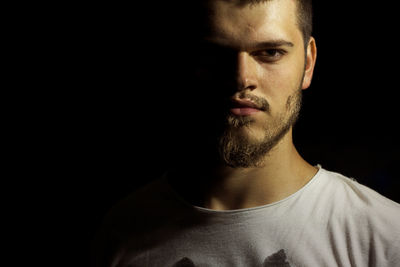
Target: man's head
253, 51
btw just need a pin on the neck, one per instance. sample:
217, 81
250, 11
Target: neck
282, 173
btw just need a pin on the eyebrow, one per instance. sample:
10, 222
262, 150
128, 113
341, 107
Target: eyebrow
255, 46
272, 44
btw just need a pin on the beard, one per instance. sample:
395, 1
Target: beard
215, 137
237, 150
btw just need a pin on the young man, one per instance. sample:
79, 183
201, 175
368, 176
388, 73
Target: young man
245, 197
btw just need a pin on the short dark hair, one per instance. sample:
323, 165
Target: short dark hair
304, 14
305, 18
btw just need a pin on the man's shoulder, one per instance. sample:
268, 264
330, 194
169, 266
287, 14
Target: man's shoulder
352, 203
362, 213
150, 207
354, 193
147, 200
129, 222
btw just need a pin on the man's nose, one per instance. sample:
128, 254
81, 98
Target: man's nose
246, 72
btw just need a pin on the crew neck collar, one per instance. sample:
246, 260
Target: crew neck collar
204, 210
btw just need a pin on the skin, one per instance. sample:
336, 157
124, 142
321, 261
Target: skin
271, 61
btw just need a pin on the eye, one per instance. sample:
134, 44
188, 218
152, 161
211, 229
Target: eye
270, 55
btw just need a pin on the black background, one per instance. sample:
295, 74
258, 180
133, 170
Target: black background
102, 126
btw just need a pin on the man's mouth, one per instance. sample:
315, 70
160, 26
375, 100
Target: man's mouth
244, 107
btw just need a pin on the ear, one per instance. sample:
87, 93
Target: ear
310, 63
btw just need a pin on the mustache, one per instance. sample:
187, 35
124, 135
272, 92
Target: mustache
261, 103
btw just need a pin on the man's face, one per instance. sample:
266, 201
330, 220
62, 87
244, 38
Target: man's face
253, 53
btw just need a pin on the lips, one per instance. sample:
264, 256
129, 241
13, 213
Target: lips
244, 103
244, 107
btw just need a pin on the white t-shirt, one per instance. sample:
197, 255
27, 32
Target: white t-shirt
331, 221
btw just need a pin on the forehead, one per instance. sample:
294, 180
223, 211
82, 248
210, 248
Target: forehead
231, 23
